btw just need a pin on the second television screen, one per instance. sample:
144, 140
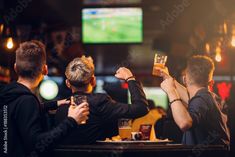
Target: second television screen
112, 25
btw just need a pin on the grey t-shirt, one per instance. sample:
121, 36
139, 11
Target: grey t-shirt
209, 122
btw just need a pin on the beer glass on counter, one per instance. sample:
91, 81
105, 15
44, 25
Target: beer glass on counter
124, 126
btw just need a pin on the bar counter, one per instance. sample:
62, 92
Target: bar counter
141, 150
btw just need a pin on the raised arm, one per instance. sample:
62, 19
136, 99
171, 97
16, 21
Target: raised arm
182, 91
179, 111
139, 103
138, 107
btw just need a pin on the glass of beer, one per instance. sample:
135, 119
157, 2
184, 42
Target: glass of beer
124, 128
78, 99
159, 61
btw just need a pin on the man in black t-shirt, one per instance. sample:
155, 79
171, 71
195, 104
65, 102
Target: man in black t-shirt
104, 111
196, 110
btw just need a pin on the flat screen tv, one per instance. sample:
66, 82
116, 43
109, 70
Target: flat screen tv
112, 25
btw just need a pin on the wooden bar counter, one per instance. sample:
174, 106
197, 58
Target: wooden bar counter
140, 150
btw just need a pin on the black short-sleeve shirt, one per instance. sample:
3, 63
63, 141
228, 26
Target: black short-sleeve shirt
209, 122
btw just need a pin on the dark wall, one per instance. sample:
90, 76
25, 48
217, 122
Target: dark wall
1, 4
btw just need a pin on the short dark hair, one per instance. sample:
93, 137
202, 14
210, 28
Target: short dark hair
30, 58
200, 69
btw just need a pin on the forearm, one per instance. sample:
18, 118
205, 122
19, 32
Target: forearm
46, 140
139, 104
136, 92
51, 105
179, 112
182, 92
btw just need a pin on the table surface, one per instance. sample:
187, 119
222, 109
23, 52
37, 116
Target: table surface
139, 147
140, 150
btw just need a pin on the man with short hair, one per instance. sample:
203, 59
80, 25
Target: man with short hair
104, 111
24, 115
202, 119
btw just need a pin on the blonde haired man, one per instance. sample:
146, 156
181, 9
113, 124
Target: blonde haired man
104, 111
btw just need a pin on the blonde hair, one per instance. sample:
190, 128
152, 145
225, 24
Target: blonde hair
79, 71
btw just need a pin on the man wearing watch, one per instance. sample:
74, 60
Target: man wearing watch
196, 110
104, 111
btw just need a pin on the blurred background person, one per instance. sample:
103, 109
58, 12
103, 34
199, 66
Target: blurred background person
155, 113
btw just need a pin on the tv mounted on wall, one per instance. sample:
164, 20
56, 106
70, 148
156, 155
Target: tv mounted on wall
112, 25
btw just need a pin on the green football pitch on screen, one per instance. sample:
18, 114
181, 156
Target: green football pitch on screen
112, 25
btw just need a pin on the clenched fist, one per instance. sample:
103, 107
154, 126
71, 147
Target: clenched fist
123, 73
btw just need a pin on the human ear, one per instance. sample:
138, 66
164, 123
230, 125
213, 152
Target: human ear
45, 70
184, 80
211, 84
68, 83
15, 68
93, 81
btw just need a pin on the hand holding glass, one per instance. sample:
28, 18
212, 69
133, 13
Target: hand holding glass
77, 100
159, 62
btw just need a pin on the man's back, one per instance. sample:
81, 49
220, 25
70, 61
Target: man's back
104, 113
209, 122
12, 97
26, 127
95, 127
